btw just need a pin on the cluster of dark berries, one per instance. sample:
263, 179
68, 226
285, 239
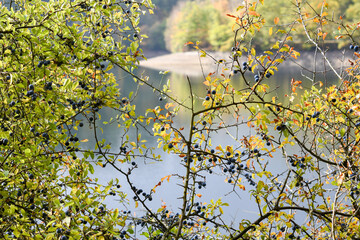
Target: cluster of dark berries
298, 163
265, 138
83, 85
4, 128
213, 159
268, 75
245, 66
281, 127
191, 158
43, 63
299, 181
141, 223
257, 76
126, 212
4, 141
198, 209
30, 92
139, 193
201, 184
316, 114
74, 139
354, 47
75, 105
83, 6
123, 234
123, 149
12, 103
248, 177
255, 152
207, 98
48, 86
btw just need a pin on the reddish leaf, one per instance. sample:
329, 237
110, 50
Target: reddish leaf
253, 13
230, 15
276, 20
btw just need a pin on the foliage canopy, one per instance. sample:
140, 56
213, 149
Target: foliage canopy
216, 26
55, 77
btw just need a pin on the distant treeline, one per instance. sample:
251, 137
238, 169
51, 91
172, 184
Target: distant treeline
176, 22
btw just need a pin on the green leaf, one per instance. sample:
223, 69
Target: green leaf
91, 168
27, 152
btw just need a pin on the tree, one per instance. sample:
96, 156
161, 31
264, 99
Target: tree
154, 25
216, 34
192, 23
220, 30
55, 78
55, 62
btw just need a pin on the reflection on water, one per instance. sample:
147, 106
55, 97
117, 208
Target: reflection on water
149, 173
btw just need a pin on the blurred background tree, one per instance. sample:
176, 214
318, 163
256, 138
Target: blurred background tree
192, 24
176, 22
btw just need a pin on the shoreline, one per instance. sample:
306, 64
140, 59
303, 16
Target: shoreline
191, 64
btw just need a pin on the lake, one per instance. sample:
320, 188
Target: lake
148, 173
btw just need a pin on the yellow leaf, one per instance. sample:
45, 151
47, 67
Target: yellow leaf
253, 52
324, 14
166, 177
84, 140
221, 211
270, 31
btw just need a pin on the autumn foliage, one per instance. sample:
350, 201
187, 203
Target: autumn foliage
55, 79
